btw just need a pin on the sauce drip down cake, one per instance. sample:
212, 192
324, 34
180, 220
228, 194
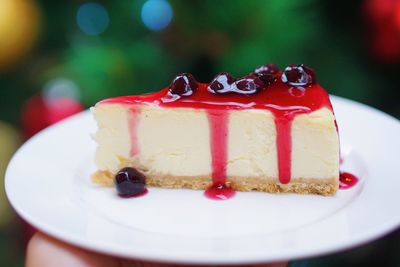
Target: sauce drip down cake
272, 131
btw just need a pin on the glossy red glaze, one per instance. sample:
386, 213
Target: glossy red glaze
284, 101
284, 147
279, 98
347, 180
218, 121
219, 191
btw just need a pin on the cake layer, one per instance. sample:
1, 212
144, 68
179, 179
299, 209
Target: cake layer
271, 131
175, 142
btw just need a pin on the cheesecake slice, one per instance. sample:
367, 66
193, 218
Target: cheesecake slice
271, 131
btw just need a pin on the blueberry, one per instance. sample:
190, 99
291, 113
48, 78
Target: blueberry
298, 75
222, 83
267, 73
268, 78
267, 69
130, 182
249, 84
184, 85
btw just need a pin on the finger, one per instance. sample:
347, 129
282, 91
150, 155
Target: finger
152, 264
45, 251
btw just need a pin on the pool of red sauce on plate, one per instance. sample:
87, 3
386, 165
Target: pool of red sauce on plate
347, 180
284, 101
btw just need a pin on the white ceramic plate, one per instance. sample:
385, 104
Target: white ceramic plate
48, 184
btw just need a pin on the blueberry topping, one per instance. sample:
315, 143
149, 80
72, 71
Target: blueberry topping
130, 182
268, 78
298, 75
249, 84
267, 73
222, 83
267, 69
184, 85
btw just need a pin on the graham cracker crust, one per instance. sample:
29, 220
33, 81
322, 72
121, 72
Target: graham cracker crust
326, 187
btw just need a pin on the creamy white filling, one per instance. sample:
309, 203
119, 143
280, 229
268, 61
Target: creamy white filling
252, 144
176, 142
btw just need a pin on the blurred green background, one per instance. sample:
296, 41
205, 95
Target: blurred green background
58, 57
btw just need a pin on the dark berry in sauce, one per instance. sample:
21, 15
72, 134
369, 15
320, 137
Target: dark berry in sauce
267, 73
130, 182
222, 83
184, 85
298, 75
267, 69
249, 84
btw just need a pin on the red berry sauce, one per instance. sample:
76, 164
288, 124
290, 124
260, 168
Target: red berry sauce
347, 180
218, 120
219, 191
282, 99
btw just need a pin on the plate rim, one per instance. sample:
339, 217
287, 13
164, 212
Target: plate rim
375, 233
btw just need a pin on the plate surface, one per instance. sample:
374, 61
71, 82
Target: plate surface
48, 184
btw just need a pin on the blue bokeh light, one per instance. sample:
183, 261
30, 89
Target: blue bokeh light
156, 14
92, 18
60, 88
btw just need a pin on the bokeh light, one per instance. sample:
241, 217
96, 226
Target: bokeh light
92, 18
60, 88
156, 14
